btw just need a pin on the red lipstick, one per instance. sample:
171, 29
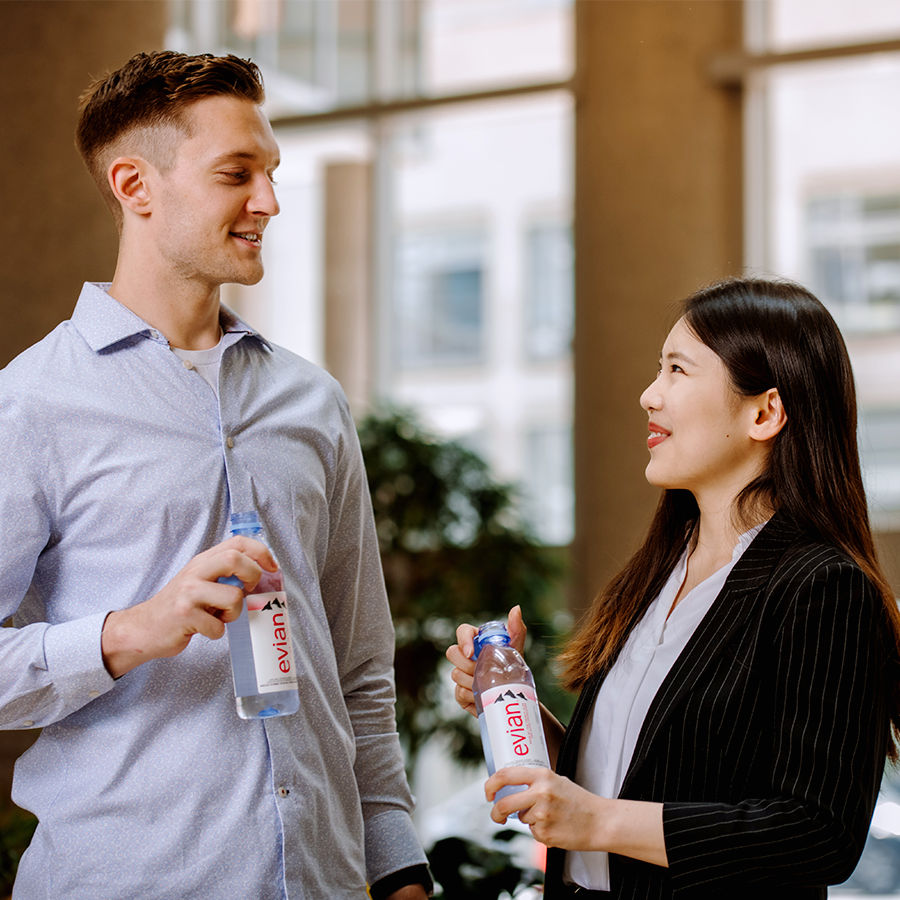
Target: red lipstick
657, 435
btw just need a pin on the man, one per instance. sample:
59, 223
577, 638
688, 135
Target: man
127, 436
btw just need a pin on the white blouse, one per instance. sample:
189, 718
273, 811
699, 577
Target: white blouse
612, 730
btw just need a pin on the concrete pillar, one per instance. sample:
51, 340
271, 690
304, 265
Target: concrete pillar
657, 214
348, 279
55, 230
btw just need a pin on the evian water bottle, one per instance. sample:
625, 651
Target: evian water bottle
262, 654
507, 705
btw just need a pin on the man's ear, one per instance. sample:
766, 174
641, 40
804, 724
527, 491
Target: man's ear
129, 182
770, 416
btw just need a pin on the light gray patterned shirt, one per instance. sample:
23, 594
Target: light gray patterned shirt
118, 466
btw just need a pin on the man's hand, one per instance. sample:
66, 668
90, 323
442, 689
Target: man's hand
193, 602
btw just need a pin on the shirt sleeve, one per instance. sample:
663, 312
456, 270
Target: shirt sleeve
353, 590
46, 670
830, 734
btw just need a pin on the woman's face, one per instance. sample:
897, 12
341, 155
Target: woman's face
699, 426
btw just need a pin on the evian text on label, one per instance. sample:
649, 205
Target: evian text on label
270, 635
513, 721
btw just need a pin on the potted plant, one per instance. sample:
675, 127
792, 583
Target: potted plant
454, 548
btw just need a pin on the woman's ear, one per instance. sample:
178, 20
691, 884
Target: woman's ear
770, 416
129, 183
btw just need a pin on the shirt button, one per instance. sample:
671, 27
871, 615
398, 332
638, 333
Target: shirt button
283, 791
93, 694
187, 364
27, 724
229, 442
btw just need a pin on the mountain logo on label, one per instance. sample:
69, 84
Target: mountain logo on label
510, 695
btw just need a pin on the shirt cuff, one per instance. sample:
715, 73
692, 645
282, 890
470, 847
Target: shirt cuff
411, 875
74, 658
392, 846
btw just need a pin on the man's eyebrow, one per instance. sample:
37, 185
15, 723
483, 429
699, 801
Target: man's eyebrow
239, 155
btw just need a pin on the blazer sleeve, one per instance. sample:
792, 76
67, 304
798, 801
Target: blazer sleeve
829, 735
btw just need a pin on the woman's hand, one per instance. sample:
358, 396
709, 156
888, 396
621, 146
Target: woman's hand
562, 814
462, 653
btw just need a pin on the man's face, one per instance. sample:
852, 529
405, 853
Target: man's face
211, 207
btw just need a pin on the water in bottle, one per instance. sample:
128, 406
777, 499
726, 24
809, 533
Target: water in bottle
507, 705
262, 654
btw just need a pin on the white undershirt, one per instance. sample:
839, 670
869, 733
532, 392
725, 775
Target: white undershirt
611, 732
204, 362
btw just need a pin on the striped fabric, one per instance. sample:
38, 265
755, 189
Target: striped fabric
766, 741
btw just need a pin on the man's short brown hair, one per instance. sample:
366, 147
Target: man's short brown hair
146, 99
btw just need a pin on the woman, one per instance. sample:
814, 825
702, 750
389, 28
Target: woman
738, 677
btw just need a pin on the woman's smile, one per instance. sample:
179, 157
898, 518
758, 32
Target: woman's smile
657, 435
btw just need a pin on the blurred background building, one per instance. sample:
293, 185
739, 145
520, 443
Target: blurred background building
490, 208
425, 249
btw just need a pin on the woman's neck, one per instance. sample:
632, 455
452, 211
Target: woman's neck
712, 544
719, 529
722, 521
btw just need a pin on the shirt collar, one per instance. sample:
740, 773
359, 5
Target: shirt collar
746, 539
102, 321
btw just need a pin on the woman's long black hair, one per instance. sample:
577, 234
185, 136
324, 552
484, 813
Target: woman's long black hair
767, 334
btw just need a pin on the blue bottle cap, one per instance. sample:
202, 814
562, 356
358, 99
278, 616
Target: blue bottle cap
245, 518
245, 523
491, 633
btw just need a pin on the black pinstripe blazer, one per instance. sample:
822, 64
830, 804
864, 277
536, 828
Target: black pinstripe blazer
766, 741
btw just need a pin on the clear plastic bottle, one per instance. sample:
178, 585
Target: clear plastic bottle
262, 655
507, 705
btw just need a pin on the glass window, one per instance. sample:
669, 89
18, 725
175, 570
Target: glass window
463, 277
854, 257
439, 311
547, 482
879, 434
477, 44
549, 299
826, 208
794, 24
326, 54
481, 258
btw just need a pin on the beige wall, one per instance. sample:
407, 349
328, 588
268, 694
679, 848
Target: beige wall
55, 231
657, 214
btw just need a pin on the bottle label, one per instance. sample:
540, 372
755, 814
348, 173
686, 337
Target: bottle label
512, 722
270, 635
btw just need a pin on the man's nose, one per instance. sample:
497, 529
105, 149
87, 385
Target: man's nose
264, 203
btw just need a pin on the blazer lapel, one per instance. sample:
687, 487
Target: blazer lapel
734, 605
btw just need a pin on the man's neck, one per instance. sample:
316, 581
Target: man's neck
186, 314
